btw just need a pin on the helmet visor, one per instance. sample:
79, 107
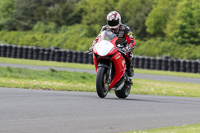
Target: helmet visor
113, 22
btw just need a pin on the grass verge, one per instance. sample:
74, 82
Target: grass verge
88, 66
181, 129
75, 81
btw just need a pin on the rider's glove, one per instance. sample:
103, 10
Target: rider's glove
91, 49
127, 49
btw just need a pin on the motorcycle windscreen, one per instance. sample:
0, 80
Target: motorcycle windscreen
103, 47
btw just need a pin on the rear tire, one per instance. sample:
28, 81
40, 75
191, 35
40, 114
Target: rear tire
124, 92
101, 85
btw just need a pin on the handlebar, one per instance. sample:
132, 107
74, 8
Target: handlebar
121, 50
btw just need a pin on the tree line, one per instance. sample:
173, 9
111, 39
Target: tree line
177, 19
161, 21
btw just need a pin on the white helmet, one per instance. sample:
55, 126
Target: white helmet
113, 20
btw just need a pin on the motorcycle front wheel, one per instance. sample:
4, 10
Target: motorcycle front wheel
101, 85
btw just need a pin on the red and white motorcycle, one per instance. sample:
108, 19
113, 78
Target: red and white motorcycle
110, 65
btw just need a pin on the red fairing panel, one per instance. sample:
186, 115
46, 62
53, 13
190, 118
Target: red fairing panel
95, 62
119, 64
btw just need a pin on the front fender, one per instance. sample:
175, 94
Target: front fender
103, 65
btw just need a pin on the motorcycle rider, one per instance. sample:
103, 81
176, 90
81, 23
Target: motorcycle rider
124, 34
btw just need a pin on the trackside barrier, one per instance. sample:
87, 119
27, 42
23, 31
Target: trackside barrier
63, 55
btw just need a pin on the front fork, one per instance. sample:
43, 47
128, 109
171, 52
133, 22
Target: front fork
108, 73
108, 66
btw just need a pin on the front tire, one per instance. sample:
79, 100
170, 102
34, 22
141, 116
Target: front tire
124, 92
101, 85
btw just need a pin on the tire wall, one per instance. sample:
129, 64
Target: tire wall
63, 55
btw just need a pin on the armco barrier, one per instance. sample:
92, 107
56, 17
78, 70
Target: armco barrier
62, 55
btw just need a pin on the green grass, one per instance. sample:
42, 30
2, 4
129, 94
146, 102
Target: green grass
52, 79
88, 66
45, 63
151, 87
181, 129
75, 81
169, 73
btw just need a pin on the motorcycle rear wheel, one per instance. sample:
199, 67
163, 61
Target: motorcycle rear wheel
101, 85
124, 92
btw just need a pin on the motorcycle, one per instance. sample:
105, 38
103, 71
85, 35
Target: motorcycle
110, 65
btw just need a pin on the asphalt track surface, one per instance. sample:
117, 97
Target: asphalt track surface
137, 75
42, 111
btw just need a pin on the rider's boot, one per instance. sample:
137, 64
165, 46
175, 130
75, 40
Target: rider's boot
130, 71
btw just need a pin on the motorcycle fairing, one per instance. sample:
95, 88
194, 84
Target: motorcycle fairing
103, 47
107, 50
119, 64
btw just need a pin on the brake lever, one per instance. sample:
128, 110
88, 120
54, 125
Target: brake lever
88, 52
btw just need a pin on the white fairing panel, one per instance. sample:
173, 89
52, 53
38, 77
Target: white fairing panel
103, 47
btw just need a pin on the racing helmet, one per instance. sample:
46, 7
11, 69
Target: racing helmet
113, 20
